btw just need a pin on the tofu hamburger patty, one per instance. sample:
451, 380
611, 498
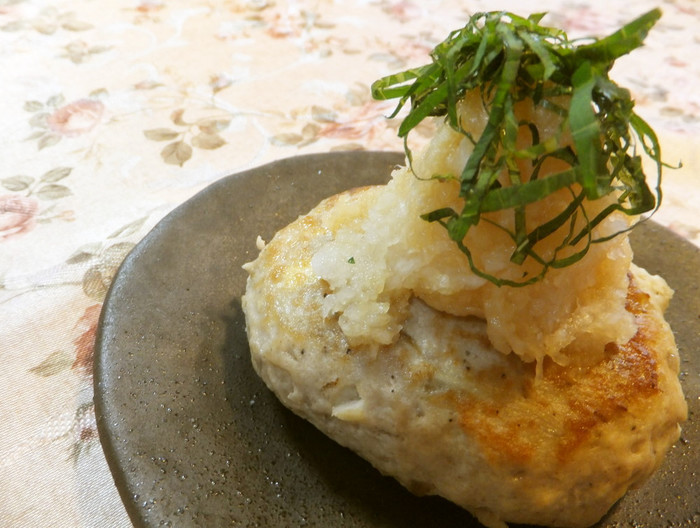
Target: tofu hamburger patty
443, 411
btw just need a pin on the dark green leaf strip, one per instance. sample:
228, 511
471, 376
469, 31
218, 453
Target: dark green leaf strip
585, 130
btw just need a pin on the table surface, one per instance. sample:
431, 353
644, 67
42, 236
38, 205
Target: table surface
114, 113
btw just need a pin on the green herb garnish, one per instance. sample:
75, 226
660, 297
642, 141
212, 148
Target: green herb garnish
509, 58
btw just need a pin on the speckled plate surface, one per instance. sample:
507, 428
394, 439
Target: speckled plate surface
193, 437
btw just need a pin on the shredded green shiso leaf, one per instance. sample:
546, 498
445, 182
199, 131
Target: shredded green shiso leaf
509, 58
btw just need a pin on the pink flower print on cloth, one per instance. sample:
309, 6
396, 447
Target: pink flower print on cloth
76, 118
85, 342
17, 215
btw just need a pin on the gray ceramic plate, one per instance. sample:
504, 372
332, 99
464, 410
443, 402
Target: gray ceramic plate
193, 438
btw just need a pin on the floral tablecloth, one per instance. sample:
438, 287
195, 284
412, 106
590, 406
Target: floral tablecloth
114, 113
